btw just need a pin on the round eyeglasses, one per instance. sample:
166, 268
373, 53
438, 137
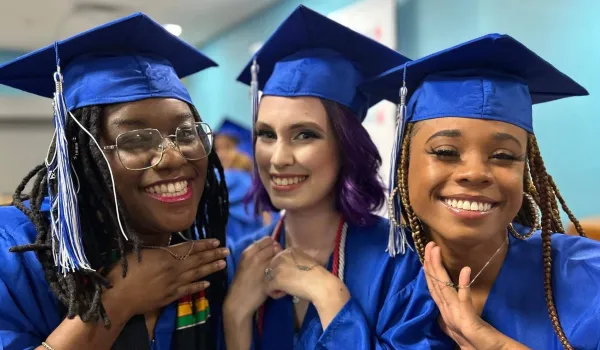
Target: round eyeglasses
144, 148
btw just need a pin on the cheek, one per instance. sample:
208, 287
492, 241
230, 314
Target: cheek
262, 156
424, 177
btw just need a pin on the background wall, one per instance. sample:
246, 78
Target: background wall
563, 32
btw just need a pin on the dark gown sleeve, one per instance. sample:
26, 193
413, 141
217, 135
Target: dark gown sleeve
28, 310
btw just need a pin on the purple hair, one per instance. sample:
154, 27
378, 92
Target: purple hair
358, 191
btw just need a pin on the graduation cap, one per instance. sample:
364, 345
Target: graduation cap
312, 55
241, 134
130, 59
493, 77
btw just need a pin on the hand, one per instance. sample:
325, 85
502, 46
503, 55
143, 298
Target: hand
159, 279
288, 278
458, 317
247, 290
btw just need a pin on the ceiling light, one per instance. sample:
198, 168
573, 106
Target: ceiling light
173, 29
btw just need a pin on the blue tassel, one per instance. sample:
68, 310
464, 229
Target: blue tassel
67, 246
397, 241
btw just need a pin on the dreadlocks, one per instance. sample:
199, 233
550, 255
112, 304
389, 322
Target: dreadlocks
537, 183
80, 292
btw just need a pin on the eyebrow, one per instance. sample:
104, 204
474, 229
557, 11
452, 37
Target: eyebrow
137, 122
500, 136
294, 126
446, 133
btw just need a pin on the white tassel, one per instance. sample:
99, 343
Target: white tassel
67, 246
397, 241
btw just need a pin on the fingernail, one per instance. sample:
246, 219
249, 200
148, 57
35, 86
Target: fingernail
216, 243
225, 251
220, 263
205, 284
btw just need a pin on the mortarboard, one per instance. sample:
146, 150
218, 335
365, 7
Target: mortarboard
241, 134
129, 59
312, 55
493, 77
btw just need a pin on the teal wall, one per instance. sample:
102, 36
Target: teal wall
215, 92
565, 33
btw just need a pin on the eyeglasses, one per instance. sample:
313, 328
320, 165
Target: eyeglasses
144, 148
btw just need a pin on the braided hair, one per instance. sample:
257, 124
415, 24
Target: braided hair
537, 183
80, 291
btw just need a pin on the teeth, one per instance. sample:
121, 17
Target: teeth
172, 189
468, 205
286, 181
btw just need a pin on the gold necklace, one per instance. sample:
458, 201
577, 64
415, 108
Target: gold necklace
456, 286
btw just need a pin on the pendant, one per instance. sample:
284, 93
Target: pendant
295, 299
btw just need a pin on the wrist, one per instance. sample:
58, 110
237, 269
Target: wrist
329, 291
235, 314
118, 312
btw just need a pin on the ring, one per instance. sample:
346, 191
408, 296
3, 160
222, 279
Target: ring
269, 273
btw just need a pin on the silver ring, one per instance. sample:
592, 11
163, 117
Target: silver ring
269, 273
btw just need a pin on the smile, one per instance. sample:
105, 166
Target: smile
468, 205
170, 191
287, 183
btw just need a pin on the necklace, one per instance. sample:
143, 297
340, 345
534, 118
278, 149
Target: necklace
176, 256
337, 267
456, 286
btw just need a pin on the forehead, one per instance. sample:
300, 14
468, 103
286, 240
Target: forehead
468, 127
281, 112
156, 113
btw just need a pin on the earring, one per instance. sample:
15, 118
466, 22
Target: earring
536, 219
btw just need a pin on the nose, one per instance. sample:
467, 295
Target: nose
283, 155
474, 170
171, 157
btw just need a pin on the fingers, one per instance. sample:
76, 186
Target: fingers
464, 291
277, 294
200, 272
432, 285
203, 258
199, 246
447, 294
189, 289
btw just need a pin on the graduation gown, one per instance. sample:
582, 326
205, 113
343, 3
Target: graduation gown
385, 310
242, 220
516, 305
29, 312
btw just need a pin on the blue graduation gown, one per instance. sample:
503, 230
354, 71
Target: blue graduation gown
29, 312
385, 310
516, 305
242, 221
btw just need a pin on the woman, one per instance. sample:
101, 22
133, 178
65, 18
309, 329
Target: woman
334, 286
472, 183
103, 255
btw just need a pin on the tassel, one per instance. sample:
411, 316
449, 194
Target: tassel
67, 246
397, 241
254, 89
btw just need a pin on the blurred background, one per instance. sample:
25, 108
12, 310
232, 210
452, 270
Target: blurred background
566, 33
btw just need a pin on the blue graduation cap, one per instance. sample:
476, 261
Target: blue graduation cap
493, 77
241, 134
130, 59
312, 55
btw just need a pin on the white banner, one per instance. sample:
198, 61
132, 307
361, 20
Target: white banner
377, 20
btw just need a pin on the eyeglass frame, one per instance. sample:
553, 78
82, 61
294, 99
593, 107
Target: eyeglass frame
172, 143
